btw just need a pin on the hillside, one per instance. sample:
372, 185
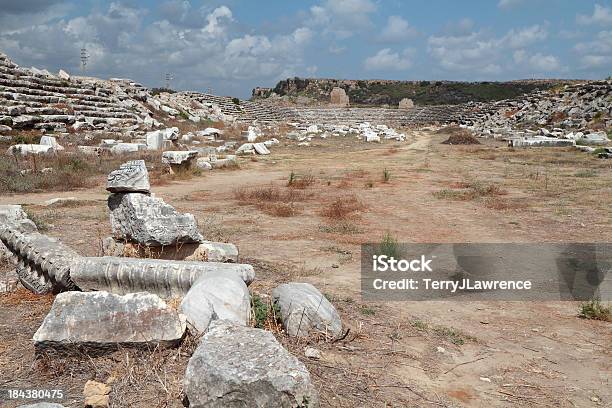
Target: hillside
381, 92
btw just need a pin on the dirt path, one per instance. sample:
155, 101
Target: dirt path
445, 353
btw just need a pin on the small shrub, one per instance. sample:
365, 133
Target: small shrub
342, 208
302, 182
595, 310
388, 246
184, 115
386, 176
265, 313
236, 101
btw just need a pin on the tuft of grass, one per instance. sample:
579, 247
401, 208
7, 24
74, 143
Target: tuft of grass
419, 324
300, 182
388, 246
386, 176
341, 227
367, 311
595, 310
469, 191
587, 173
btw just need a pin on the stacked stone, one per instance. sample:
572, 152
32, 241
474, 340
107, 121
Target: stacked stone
143, 224
33, 98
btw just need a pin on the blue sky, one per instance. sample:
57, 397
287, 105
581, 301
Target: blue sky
232, 46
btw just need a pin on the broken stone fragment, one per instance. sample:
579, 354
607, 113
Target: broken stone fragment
102, 320
96, 394
237, 366
227, 293
305, 311
148, 220
184, 158
131, 177
260, 148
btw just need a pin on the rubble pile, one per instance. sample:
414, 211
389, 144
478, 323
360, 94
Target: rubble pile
577, 114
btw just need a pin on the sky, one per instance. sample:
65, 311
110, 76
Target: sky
231, 46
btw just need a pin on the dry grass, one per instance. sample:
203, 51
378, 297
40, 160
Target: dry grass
342, 208
272, 200
70, 171
466, 191
300, 182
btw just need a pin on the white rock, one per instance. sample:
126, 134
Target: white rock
203, 164
261, 148
311, 352
25, 149
122, 148
228, 294
63, 75
179, 157
51, 141
155, 140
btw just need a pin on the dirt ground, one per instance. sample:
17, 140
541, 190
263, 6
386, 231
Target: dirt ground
399, 354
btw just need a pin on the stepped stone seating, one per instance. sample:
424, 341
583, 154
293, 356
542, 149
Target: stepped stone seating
33, 99
265, 112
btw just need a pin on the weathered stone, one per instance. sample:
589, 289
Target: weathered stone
162, 277
25, 149
228, 161
339, 97
104, 320
246, 148
227, 293
42, 405
122, 148
155, 140
209, 132
51, 141
205, 251
261, 148
541, 141
150, 221
63, 75
406, 103
184, 158
203, 163
305, 311
198, 311
131, 176
237, 366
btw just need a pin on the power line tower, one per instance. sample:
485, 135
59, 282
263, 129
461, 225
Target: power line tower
84, 58
169, 78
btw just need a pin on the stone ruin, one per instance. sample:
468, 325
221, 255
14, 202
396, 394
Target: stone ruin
338, 97
110, 301
406, 103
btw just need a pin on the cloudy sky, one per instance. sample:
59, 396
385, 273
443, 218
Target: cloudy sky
232, 46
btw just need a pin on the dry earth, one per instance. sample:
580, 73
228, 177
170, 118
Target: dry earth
495, 353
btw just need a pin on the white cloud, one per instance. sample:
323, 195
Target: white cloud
596, 61
601, 15
342, 18
526, 36
387, 60
538, 62
482, 53
397, 29
121, 44
505, 4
